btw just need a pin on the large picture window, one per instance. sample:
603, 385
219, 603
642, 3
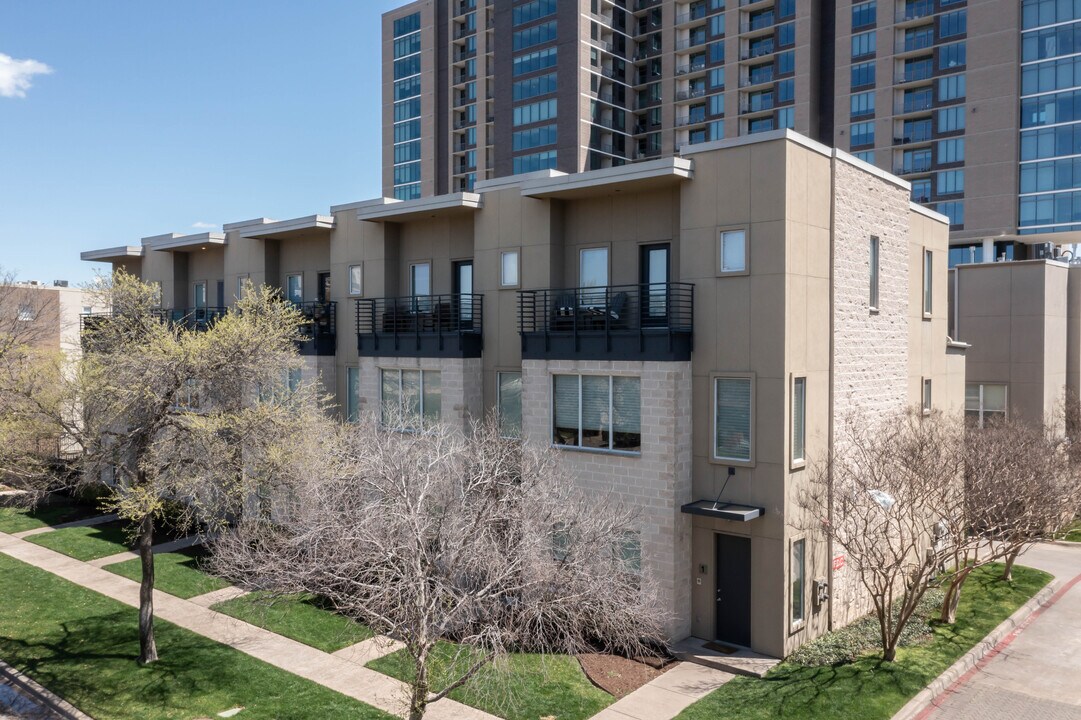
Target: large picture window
984, 403
411, 399
732, 419
598, 412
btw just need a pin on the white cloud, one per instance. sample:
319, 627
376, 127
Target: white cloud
204, 226
15, 75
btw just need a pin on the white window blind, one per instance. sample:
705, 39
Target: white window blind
732, 438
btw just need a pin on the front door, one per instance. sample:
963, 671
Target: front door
463, 292
654, 269
323, 288
734, 589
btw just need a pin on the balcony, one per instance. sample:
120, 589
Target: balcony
447, 326
619, 322
914, 10
757, 50
319, 333
191, 319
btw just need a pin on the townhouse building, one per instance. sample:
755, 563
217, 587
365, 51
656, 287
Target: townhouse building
685, 333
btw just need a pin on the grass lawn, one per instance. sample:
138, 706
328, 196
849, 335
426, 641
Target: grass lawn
15, 520
300, 617
83, 646
177, 573
86, 543
870, 689
525, 687
1072, 533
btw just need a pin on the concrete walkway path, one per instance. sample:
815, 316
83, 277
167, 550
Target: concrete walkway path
666, 696
1033, 672
166, 547
218, 596
331, 671
85, 522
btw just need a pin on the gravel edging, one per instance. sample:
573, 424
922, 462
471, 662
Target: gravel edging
969, 660
57, 706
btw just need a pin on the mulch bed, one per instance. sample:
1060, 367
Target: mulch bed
619, 676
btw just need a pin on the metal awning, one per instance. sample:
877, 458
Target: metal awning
723, 510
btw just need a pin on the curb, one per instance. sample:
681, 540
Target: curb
925, 698
55, 705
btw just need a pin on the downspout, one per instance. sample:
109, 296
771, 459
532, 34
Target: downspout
830, 434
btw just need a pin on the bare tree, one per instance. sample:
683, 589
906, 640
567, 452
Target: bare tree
1021, 487
882, 498
190, 412
445, 534
28, 314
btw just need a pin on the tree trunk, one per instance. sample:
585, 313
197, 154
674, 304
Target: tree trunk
1007, 574
953, 597
889, 654
418, 701
148, 649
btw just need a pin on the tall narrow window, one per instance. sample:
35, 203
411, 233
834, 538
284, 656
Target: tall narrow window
508, 268
420, 279
356, 279
798, 573
733, 251
199, 295
732, 419
799, 420
294, 288
927, 278
510, 404
241, 281
874, 273
352, 397
593, 270
926, 403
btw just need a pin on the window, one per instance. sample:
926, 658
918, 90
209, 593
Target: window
534, 162
420, 279
352, 394
984, 403
864, 14
951, 56
955, 211
732, 419
952, 24
863, 103
862, 134
799, 420
26, 313
241, 282
628, 552
410, 399
926, 401
593, 268
534, 61
863, 74
598, 412
874, 248
534, 35
534, 86
508, 268
950, 182
293, 378
798, 572
530, 11
534, 112
951, 87
356, 279
951, 119
863, 44
927, 278
950, 151
534, 137
407, 24
867, 156
733, 251
509, 387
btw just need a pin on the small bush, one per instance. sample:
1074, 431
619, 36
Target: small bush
862, 636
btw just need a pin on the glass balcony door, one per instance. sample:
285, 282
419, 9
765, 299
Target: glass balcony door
654, 274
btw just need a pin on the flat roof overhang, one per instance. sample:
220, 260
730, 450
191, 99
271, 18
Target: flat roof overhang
113, 254
172, 241
398, 211
636, 177
1068, 237
302, 227
723, 510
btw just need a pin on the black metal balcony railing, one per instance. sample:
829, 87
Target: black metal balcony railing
421, 326
319, 333
641, 322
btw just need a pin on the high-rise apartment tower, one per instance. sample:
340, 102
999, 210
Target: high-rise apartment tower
972, 101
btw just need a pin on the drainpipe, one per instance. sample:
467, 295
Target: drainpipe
829, 477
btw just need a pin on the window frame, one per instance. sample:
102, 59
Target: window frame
499, 402
719, 255
981, 412
352, 399
874, 260
607, 265
925, 395
799, 390
350, 277
714, 458
517, 253
795, 624
928, 283
610, 450
382, 399
300, 285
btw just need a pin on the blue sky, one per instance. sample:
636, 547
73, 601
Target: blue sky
161, 117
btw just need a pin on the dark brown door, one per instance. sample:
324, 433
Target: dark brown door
734, 589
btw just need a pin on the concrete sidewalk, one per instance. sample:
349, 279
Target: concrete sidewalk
331, 671
165, 547
86, 522
667, 695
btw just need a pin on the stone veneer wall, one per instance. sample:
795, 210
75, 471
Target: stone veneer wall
460, 382
656, 483
871, 349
